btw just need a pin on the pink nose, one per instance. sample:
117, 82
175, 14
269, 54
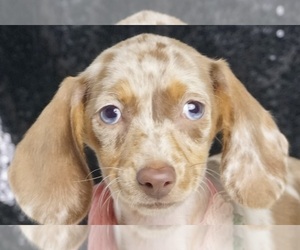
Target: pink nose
156, 182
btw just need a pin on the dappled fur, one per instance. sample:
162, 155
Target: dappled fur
150, 78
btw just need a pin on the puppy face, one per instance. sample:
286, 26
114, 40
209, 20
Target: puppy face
147, 112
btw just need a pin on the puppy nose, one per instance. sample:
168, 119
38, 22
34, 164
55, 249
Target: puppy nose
156, 182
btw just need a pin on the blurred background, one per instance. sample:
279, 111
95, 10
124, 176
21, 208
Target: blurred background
110, 11
35, 59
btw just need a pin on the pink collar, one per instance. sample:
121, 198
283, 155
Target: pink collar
218, 212
102, 211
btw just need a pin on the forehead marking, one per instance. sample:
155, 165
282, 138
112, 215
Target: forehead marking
124, 94
166, 100
159, 55
175, 91
161, 45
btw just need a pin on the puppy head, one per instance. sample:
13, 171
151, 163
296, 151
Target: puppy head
149, 107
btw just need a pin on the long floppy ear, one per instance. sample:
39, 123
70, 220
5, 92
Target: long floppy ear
48, 172
254, 157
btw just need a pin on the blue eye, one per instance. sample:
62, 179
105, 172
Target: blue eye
110, 114
193, 110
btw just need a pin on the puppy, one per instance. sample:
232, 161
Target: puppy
150, 108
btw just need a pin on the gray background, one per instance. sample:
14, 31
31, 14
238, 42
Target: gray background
110, 11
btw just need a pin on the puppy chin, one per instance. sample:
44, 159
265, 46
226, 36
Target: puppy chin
156, 208
151, 208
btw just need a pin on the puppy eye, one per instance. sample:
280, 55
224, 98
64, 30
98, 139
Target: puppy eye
193, 110
110, 114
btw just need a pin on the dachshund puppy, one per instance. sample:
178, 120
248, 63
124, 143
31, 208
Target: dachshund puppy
150, 108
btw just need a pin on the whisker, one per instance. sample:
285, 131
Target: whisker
118, 168
114, 200
217, 139
91, 172
101, 202
91, 179
213, 172
105, 178
195, 164
202, 188
109, 196
100, 176
99, 185
215, 175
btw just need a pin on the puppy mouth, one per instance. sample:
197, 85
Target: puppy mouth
157, 205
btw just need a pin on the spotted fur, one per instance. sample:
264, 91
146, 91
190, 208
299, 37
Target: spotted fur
150, 78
